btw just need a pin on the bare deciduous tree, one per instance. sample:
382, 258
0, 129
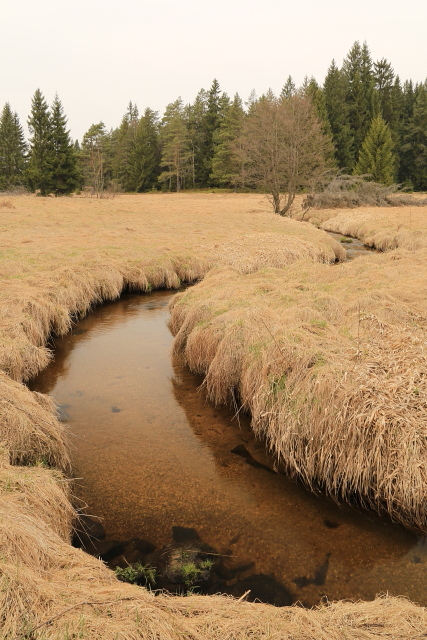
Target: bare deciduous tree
284, 148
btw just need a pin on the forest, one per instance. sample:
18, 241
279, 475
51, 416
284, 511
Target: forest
374, 123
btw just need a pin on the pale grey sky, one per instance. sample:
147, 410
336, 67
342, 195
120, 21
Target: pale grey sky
99, 54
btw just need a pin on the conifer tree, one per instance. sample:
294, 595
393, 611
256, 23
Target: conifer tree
12, 149
65, 174
176, 151
96, 158
144, 158
289, 89
215, 105
376, 157
334, 90
226, 162
357, 70
195, 117
415, 142
122, 141
40, 161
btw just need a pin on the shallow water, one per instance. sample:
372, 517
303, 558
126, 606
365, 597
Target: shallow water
150, 453
353, 246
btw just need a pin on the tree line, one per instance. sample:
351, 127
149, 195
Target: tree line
362, 120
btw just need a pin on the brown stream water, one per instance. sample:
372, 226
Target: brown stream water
150, 453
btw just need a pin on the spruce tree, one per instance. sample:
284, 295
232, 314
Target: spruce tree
415, 144
40, 161
334, 90
12, 150
144, 158
289, 89
65, 174
357, 70
226, 162
376, 157
122, 142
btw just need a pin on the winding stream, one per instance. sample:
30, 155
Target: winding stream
150, 453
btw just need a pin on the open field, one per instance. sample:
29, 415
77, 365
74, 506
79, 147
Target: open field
348, 338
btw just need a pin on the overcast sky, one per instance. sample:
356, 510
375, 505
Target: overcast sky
99, 54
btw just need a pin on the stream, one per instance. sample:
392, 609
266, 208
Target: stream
154, 460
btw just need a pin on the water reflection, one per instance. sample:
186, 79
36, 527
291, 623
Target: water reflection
153, 454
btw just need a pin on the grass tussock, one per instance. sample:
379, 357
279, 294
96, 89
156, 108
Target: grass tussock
331, 365
348, 192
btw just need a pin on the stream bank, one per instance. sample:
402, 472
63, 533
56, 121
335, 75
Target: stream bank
154, 460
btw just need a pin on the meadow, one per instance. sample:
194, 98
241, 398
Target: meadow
328, 357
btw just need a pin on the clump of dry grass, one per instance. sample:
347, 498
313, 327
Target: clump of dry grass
331, 365
28, 427
6, 204
348, 192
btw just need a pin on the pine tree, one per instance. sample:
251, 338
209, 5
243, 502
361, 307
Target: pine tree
41, 159
144, 158
334, 90
65, 175
12, 150
176, 151
96, 158
376, 157
226, 160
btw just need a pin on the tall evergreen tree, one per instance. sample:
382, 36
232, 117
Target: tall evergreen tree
415, 141
216, 105
226, 162
96, 158
122, 141
65, 174
176, 151
145, 156
12, 149
376, 156
289, 89
195, 117
41, 157
334, 90
357, 70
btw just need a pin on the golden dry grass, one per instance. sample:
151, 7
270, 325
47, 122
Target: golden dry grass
59, 257
330, 362
384, 228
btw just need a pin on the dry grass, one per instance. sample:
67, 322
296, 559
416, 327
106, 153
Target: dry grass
331, 365
59, 257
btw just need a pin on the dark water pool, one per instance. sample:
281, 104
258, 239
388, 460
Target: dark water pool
151, 454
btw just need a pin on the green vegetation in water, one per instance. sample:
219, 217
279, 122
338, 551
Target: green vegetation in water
346, 240
137, 573
192, 572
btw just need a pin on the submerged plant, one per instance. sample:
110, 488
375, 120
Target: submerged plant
137, 573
